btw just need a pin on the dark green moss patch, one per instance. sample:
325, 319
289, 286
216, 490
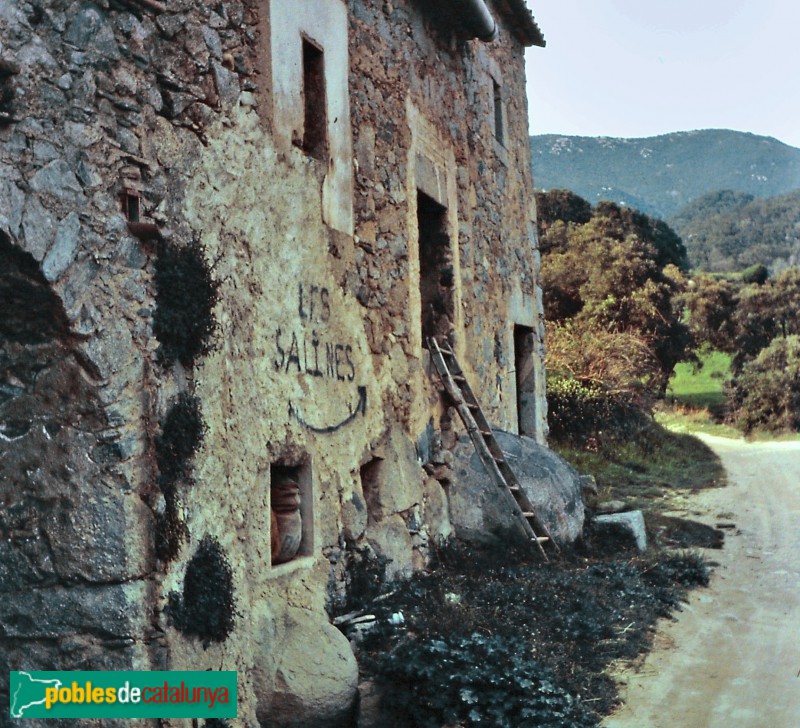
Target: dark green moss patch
206, 608
186, 294
171, 531
181, 436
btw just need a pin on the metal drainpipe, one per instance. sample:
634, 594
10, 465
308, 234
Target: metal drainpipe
479, 20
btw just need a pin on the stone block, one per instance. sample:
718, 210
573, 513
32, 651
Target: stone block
631, 524
89, 30
38, 228
104, 537
312, 686
390, 539
57, 178
435, 511
12, 201
64, 249
354, 517
396, 480
614, 506
227, 84
58, 612
589, 485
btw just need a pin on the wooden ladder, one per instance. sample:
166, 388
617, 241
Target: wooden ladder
486, 445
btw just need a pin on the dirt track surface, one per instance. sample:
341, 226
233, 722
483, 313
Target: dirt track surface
732, 658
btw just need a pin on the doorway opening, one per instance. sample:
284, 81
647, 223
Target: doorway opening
525, 380
436, 273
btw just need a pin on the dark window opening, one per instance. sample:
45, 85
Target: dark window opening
131, 206
315, 131
436, 273
526, 379
498, 112
8, 70
291, 516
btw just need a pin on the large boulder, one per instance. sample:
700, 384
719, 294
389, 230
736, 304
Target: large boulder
481, 513
316, 683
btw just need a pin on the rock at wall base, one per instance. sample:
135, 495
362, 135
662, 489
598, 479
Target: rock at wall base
479, 510
317, 679
630, 524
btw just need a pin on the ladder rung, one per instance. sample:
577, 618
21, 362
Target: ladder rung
542, 539
485, 433
498, 459
514, 488
528, 514
473, 406
458, 378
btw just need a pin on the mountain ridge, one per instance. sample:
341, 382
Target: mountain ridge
661, 174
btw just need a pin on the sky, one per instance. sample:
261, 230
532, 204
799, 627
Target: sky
637, 68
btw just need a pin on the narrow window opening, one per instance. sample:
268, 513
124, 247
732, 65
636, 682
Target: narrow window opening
372, 477
315, 131
498, 112
525, 379
292, 515
436, 273
131, 206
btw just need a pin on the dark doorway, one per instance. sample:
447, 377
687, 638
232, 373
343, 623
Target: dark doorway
436, 274
526, 380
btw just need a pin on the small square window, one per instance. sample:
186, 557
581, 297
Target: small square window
291, 512
131, 205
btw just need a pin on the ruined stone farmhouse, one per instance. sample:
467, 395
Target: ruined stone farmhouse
227, 231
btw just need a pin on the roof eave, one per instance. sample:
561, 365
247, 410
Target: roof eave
523, 24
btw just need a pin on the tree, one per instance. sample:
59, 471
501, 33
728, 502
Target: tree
618, 274
561, 206
766, 392
710, 305
764, 312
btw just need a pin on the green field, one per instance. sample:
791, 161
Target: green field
701, 387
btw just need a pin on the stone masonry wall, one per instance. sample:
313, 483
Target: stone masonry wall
402, 57
136, 135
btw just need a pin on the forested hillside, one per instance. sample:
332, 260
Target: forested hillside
728, 231
660, 175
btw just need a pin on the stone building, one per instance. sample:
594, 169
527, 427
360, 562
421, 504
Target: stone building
226, 231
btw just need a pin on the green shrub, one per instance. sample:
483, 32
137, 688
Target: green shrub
766, 393
687, 568
478, 680
582, 414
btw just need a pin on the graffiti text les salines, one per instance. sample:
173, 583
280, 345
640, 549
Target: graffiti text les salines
310, 353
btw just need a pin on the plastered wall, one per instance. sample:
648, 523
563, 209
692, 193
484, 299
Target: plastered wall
317, 363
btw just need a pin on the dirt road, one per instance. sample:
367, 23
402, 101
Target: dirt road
732, 660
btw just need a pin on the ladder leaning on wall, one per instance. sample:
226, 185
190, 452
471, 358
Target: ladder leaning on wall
486, 445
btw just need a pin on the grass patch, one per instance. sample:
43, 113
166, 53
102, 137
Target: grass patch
683, 419
702, 386
647, 468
